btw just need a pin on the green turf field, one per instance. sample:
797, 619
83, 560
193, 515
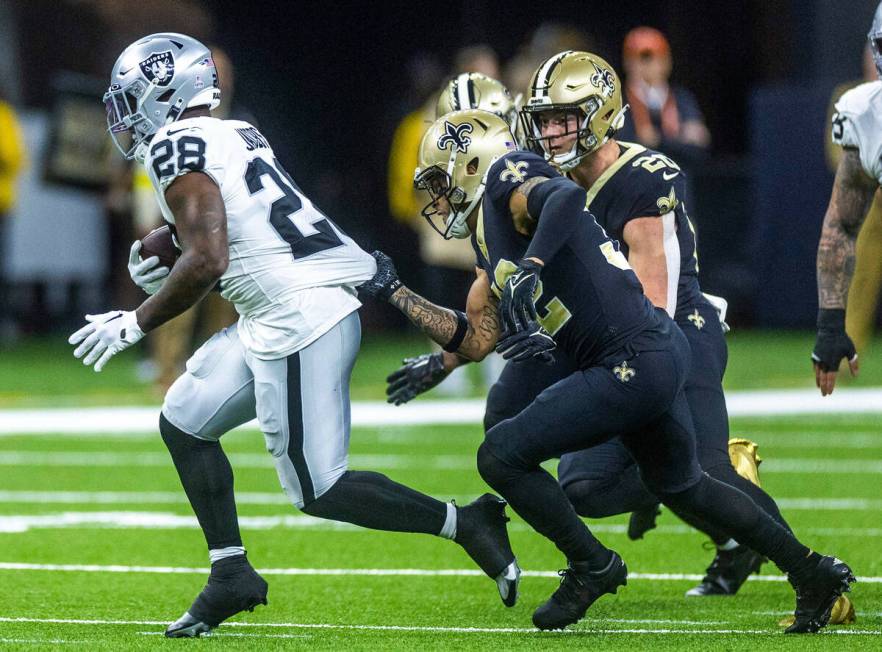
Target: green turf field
44, 371
115, 500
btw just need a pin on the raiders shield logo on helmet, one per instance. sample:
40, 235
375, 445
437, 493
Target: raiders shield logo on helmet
159, 68
455, 136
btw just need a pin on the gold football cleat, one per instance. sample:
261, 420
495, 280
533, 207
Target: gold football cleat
841, 614
745, 459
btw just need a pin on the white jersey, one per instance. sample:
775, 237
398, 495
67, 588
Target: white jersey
857, 122
292, 272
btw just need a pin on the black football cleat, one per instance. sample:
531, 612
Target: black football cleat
233, 586
727, 572
642, 521
579, 589
481, 531
816, 592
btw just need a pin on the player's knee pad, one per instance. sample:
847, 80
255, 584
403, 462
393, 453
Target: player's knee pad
325, 504
493, 468
686, 500
584, 497
174, 437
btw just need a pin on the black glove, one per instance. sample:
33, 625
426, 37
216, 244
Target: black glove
417, 375
832, 343
527, 344
384, 282
516, 308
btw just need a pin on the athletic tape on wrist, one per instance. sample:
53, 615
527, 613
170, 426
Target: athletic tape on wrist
462, 325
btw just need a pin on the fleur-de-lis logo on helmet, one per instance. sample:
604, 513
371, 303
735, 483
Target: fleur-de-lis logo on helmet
455, 136
603, 79
696, 319
623, 372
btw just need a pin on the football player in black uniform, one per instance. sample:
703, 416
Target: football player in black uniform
637, 194
572, 113
630, 362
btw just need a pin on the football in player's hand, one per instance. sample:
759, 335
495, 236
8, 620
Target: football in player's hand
160, 242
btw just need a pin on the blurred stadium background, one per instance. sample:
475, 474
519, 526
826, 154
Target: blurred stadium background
331, 85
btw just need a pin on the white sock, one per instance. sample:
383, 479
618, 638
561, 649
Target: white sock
449, 529
222, 553
731, 544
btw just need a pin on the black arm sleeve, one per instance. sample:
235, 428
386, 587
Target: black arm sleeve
558, 206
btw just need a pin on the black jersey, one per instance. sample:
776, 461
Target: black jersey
646, 183
589, 299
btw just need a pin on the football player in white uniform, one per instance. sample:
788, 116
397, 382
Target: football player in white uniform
857, 127
291, 273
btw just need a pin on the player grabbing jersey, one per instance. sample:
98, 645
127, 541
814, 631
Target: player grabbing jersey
291, 274
550, 276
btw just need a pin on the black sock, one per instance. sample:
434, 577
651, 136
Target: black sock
733, 512
538, 498
207, 478
374, 501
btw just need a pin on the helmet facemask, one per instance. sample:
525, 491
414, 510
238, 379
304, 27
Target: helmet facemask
126, 123
438, 183
585, 141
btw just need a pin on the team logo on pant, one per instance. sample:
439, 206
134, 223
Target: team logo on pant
159, 68
624, 373
514, 172
455, 136
696, 319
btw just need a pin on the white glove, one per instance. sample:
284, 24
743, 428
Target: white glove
145, 273
721, 306
105, 336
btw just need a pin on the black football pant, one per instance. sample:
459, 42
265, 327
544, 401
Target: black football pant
604, 480
638, 398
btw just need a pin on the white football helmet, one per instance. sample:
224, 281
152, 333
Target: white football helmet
153, 81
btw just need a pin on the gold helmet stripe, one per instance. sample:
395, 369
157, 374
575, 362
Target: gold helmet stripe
540, 83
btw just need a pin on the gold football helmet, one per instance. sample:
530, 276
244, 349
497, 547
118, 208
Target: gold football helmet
578, 82
454, 157
472, 90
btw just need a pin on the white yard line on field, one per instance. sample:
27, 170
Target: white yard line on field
418, 628
376, 413
370, 572
91, 520
464, 462
23, 497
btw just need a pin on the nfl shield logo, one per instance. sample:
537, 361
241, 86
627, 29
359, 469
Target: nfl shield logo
159, 68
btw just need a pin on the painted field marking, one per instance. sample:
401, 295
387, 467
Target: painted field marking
470, 411
23, 497
368, 572
465, 462
453, 630
90, 520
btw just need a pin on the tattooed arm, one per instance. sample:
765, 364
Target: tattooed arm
852, 193
440, 324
